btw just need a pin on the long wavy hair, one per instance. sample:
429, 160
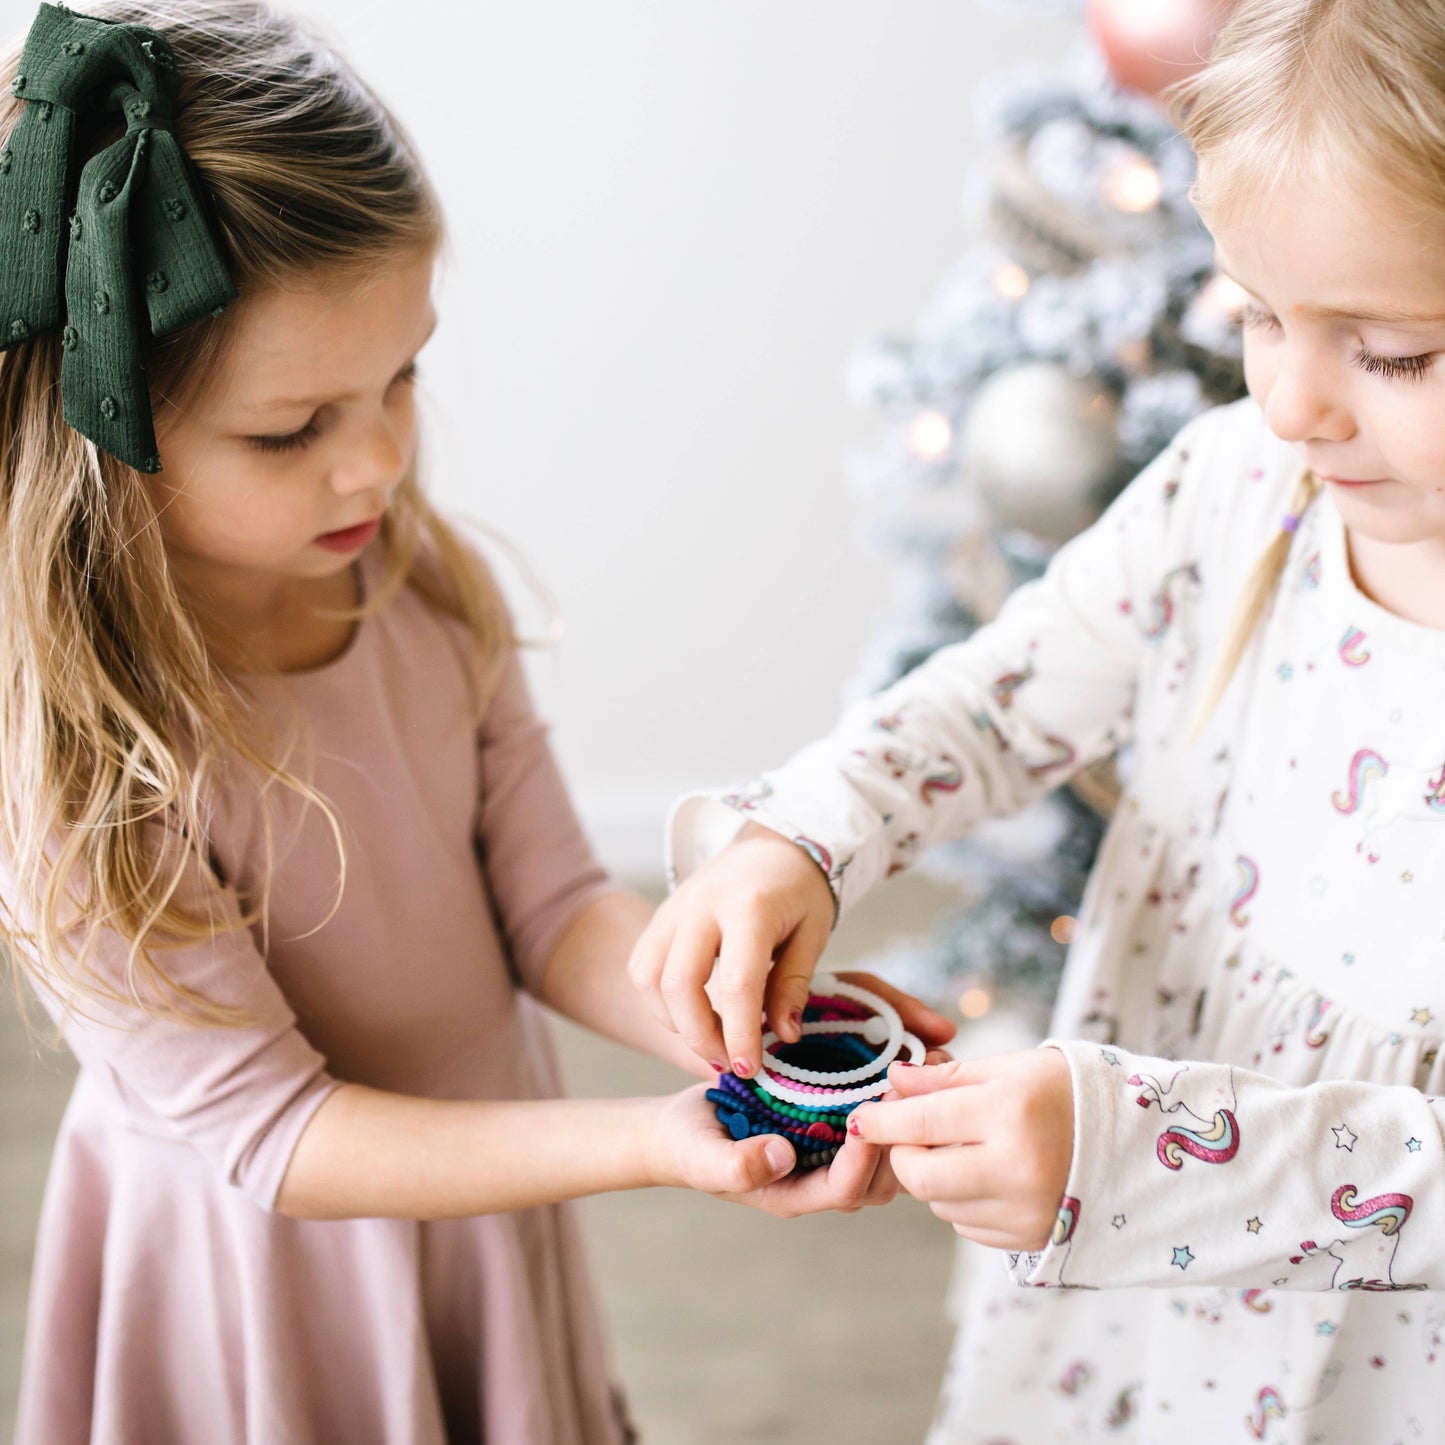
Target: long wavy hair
116, 715
1349, 93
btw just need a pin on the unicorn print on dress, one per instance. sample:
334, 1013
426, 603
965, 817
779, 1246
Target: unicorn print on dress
1057, 1251
1316, 1034
946, 776
1353, 652
746, 798
824, 859
1172, 590
1006, 685
1205, 1127
1435, 796
1365, 767
1363, 1260
1059, 754
1267, 1406
1270, 1406
1383, 794
1246, 886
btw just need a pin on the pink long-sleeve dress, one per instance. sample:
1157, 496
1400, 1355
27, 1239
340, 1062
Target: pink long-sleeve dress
170, 1304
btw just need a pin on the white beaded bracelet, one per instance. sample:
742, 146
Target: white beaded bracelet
830, 1098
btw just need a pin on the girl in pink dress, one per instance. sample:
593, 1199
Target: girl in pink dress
283, 849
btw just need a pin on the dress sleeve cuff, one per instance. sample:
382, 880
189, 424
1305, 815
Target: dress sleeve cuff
1086, 1208
852, 856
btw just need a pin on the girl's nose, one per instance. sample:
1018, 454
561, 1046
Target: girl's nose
375, 459
1304, 404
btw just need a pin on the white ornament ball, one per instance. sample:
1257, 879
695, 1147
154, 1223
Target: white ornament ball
1039, 443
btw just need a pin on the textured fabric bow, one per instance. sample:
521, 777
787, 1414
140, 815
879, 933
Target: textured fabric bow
139, 236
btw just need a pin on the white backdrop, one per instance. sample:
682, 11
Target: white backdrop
671, 219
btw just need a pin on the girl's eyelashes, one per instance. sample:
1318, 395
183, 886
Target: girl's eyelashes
294, 441
290, 442
1250, 316
1396, 368
1392, 368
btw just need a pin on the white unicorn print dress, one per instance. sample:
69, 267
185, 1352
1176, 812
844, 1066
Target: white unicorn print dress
1254, 999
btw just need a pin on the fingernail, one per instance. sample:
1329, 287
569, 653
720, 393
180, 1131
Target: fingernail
905, 1063
741, 1068
777, 1154
716, 1067
796, 1018
853, 1126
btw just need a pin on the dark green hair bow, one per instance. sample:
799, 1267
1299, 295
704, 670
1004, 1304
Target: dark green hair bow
139, 235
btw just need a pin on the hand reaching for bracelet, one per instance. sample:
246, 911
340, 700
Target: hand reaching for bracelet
986, 1143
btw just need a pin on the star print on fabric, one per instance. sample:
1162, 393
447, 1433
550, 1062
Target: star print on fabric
1413, 1145
1254, 1225
1344, 1138
1119, 1221
1108, 1056
1377, 1361
1347, 959
1183, 1256
1285, 672
1407, 877
1421, 1016
1281, 1281
1325, 1327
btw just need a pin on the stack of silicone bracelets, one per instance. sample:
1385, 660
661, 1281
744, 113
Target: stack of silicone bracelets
805, 1091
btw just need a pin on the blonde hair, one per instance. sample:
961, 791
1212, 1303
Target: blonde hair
1345, 90
116, 716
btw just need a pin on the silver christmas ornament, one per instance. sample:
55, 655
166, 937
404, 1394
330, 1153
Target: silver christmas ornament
1040, 444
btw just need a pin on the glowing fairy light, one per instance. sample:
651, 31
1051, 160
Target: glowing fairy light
1061, 930
1133, 185
1135, 356
975, 1002
930, 435
1011, 281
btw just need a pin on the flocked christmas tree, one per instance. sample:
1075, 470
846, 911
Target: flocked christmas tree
1056, 360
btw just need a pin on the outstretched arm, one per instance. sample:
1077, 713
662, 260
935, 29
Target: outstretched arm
977, 732
1157, 1172
367, 1153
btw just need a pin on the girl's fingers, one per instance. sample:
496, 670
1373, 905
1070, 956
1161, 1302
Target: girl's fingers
950, 1116
941, 1176
645, 967
930, 1026
973, 1187
989, 1238
737, 991
937, 1074
689, 965
852, 1172
792, 977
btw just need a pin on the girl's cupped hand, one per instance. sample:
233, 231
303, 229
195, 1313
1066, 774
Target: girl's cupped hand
692, 1149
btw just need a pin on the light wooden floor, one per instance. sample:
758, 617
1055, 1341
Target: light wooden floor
727, 1325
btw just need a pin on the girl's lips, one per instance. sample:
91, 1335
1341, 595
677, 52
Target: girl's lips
350, 539
1351, 482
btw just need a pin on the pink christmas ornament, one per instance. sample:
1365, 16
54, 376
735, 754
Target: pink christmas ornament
1149, 44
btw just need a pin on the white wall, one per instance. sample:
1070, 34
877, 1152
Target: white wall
671, 220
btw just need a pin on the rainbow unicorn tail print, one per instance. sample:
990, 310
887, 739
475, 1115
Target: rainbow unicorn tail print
1365, 767
1267, 1406
1363, 1261
1216, 1145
